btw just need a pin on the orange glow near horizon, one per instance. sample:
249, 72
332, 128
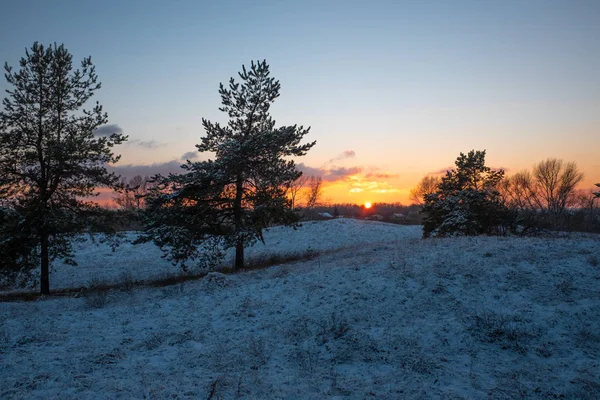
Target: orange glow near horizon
362, 188
365, 183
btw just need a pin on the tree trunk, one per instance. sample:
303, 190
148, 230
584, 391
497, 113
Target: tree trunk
237, 215
45, 270
239, 255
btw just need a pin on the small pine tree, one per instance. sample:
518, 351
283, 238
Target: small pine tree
243, 189
466, 201
50, 158
597, 194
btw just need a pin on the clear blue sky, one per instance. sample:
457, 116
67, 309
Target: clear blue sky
405, 85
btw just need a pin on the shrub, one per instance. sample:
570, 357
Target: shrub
331, 329
510, 331
466, 201
96, 294
95, 298
127, 282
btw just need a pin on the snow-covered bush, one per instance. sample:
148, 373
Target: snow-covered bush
466, 201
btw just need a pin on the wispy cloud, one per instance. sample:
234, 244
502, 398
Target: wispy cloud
442, 171
131, 170
338, 173
354, 178
107, 130
333, 173
310, 171
149, 144
190, 155
329, 174
344, 155
388, 190
381, 175
358, 184
163, 168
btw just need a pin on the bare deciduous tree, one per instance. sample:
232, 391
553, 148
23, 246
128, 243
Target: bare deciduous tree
427, 185
132, 195
315, 191
585, 199
294, 188
555, 183
543, 195
517, 191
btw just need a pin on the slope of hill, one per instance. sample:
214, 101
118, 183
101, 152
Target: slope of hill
102, 264
379, 313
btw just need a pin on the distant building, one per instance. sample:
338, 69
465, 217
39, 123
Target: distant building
325, 215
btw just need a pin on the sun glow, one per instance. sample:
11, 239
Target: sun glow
368, 204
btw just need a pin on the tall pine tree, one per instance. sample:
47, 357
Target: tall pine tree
243, 189
50, 158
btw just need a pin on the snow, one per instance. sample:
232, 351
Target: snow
144, 261
325, 215
380, 313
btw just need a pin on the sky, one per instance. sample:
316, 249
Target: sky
392, 90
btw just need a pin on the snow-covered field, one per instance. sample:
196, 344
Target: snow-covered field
144, 262
379, 313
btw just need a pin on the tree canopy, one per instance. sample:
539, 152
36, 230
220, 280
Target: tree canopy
51, 160
232, 197
466, 201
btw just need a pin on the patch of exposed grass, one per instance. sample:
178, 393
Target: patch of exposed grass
127, 283
269, 260
96, 294
509, 331
564, 288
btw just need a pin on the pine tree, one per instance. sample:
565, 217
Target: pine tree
243, 189
597, 194
466, 201
50, 158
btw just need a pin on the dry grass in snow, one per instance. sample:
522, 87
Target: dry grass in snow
389, 316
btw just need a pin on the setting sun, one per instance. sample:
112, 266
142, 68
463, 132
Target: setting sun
367, 205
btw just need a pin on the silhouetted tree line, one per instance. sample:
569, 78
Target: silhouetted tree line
396, 213
473, 199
